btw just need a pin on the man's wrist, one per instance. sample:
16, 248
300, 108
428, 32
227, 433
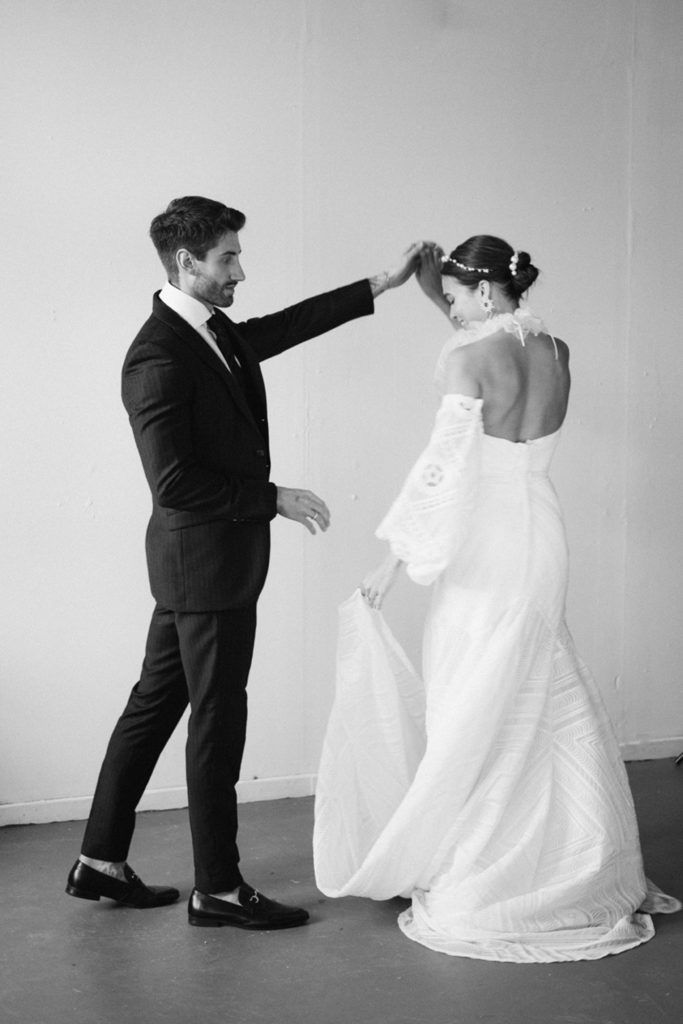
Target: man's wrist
379, 283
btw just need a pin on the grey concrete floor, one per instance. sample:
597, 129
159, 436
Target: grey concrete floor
70, 960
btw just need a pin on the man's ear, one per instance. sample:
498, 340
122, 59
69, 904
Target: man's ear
185, 261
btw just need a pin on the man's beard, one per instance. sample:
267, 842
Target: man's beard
209, 291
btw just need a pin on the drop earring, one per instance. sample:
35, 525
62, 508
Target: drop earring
486, 303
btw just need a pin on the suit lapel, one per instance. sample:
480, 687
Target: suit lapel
193, 340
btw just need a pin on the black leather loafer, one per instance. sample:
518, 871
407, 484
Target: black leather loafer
88, 884
254, 911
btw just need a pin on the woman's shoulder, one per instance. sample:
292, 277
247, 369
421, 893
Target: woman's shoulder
556, 345
457, 372
562, 348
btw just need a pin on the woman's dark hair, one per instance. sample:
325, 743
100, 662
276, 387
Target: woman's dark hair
192, 223
487, 258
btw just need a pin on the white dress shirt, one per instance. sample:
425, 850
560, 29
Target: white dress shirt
193, 312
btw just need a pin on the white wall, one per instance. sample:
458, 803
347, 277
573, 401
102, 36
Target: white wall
344, 132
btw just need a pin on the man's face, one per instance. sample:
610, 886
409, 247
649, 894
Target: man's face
213, 279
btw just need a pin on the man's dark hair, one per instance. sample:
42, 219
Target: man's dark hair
191, 223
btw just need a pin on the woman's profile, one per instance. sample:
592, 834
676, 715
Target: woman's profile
491, 791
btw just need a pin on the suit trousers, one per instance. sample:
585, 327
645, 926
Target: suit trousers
202, 658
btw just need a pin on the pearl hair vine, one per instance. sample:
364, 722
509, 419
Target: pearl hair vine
461, 266
514, 260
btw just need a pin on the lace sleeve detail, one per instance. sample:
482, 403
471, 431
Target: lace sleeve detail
429, 519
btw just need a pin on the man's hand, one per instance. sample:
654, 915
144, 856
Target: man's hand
304, 507
377, 583
399, 274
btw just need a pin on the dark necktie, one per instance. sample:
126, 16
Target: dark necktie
241, 376
222, 335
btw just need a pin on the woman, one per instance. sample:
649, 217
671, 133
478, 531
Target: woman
494, 794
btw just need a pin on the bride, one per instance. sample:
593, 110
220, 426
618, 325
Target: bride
492, 791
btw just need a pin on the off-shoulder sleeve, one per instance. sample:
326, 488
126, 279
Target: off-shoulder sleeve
429, 519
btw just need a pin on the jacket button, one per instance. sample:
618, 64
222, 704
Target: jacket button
260, 451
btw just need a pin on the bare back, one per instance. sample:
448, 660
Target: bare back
525, 388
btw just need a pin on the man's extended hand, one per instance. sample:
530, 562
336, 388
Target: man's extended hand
304, 507
400, 272
406, 266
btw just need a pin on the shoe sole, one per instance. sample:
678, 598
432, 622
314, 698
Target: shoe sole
209, 922
86, 894
81, 894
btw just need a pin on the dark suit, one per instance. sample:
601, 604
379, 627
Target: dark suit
203, 442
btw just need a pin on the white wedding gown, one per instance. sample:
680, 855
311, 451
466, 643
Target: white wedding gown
492, 793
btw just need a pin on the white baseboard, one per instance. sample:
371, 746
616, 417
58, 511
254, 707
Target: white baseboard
39, 812
652, 750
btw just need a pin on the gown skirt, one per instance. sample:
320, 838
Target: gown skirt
490, 791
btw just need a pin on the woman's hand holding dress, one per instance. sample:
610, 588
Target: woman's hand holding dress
377, 583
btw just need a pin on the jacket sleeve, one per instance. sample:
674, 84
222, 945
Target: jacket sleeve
270, 335
157, 394
429, 519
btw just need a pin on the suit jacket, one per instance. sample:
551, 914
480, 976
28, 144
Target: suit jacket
203, 442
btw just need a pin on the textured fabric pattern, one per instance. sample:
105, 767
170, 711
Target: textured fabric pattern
493, 793
429, 518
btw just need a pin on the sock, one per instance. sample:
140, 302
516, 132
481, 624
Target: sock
229, 897
112, 868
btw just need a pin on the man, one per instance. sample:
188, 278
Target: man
194, 393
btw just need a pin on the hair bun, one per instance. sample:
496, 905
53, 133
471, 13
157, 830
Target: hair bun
525, 273
489, 258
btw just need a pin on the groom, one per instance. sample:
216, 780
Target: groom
194, 394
